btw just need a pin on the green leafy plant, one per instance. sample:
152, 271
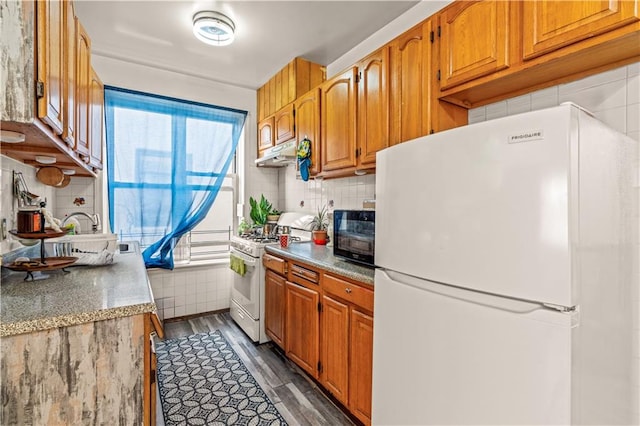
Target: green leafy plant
320, 221
260, 210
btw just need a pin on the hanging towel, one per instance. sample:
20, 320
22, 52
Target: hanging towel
237, 265
304, 158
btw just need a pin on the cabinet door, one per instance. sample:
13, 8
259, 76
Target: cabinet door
361, 366
69, 55
265, 134
83, 88
284, 124
550, 25
335, 348
51, 62
275, 307
373, 105
410, 87
338, 121
303, 327
307, 109
96, 120
474, 40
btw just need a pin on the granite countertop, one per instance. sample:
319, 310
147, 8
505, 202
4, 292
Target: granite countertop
84, 294
322, 257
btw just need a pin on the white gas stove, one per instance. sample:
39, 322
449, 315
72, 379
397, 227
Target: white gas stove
247, 292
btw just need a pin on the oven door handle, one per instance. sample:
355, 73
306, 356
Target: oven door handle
248, 260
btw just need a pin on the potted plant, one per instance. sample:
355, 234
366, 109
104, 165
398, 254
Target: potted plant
260, 210
319, 226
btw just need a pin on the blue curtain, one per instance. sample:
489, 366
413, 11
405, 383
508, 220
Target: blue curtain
166, 161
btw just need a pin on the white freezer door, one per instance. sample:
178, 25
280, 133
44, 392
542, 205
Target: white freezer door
471, 208
448, 356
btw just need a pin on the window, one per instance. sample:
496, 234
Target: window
170, 174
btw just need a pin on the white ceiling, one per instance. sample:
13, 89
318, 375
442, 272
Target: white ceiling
268, 33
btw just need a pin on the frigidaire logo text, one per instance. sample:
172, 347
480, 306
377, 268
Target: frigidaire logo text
526, 137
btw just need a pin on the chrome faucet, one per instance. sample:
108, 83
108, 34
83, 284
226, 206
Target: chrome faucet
94, 218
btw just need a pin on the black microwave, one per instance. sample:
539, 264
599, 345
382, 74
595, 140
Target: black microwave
354, 235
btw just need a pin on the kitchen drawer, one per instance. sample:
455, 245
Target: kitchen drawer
303, 275
348, 291
274, 263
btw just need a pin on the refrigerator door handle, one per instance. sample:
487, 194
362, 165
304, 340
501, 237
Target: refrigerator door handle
473, 296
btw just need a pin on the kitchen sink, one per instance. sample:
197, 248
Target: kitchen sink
90, 249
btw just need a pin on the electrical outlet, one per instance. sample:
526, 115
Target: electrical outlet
3, 229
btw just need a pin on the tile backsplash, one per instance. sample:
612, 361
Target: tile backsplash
346, 193
9, 205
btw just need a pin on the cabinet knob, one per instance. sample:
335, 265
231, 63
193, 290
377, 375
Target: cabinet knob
348, 290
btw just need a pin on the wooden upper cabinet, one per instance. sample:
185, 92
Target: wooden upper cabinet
549, 25
69, 104
307, 109
373, 105
96, 120
292, 81
474, 40
83, 88
338, 121
265, 134
285, 128
51, 62
411, 83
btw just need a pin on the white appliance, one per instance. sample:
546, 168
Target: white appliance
508, 287
247, 291
279, 155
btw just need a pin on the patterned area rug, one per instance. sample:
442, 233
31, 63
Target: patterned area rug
202, 381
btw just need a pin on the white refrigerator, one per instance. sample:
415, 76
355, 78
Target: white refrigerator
507, 287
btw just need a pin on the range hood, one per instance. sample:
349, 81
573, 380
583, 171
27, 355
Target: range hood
279, 155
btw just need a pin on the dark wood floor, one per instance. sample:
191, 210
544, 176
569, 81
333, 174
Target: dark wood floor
295, 396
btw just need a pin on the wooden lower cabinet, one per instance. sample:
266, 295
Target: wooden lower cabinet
361, 365
335, 348
303, 327
275, 307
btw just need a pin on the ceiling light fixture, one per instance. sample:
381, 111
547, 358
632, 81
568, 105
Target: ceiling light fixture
213, 28
43, 159
9, 136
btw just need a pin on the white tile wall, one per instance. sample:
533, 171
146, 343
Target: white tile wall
614, 98
80, 187
346, 193
8, 205
193, 290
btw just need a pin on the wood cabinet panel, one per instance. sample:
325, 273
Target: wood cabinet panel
549, 25
475, 37
348, 291
276, 264
410, 84
307, 120
361, 365
260, 102
272, 96
68, 101
373, 105
303, 327
338, 121
278, 90
335, 348
97, 124
285, 127
83, 74
51, 62
275, 307
265, 134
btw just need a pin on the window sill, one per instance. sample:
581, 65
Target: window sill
195, 264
